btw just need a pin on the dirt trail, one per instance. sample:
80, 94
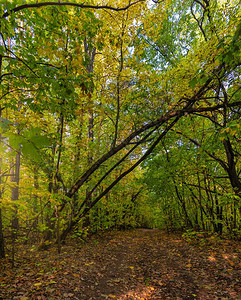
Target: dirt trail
138, 264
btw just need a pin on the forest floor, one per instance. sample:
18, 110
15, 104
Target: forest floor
133, 264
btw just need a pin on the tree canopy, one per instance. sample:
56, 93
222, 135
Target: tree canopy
117, 114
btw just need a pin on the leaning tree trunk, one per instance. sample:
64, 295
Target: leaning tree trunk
169, 119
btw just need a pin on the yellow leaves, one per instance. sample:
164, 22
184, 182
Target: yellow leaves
192, 71
38, 284
110, 296
154, 19
189, 265
8, 203
52, 282
89, 264
232, 130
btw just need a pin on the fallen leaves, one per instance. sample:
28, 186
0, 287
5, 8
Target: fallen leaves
134, 265
37, 284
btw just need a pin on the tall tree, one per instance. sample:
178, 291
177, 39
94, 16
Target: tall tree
132, 97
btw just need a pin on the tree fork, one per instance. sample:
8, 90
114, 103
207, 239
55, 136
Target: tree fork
178, 114
97, 199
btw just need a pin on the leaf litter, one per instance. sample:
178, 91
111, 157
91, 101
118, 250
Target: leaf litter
134, 264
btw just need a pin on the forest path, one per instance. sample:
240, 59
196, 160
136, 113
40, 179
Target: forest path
136, 264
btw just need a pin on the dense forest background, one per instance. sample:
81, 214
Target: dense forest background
119, 115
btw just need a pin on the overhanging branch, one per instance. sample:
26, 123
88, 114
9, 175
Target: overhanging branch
157, 123
73, 4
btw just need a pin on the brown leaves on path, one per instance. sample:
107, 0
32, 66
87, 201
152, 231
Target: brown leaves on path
137, 264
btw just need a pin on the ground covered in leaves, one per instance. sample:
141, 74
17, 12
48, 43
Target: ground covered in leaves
136, 264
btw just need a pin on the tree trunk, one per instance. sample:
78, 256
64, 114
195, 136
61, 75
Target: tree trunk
35, 196
90, 57
15, 189
2, 248
80, 215
231, 170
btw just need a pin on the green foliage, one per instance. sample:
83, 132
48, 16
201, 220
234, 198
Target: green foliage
4, 125
195, 237
85, 94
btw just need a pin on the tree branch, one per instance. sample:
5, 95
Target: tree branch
144, 139
163, 119
221, 162
119, 178
52, 3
